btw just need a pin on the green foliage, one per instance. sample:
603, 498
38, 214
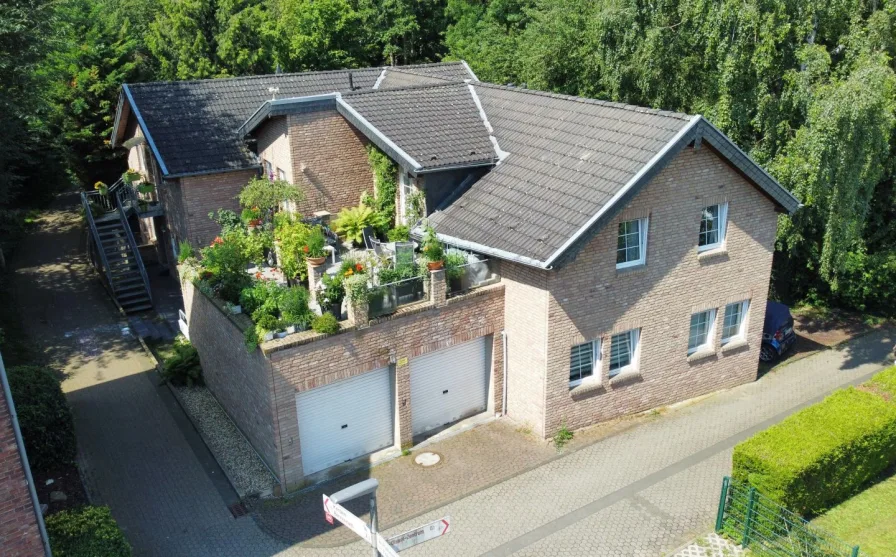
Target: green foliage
44, 416
385, 174
86, 532
267, 322
454, 265
351, 222
267, 195
562, 437
184, 251
255, 243
250, 339
399, 234
866, 281
227, 220
357, 286
400, 271
182, 366
293, 305
315, 242
325, 324
225, 262
332, 292
292, 235
885, 383
432, 247
823, 454
250, 214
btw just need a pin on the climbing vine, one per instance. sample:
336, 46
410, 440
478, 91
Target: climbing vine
385, 172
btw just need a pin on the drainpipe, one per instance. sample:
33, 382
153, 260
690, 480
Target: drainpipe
20, 445
504, 365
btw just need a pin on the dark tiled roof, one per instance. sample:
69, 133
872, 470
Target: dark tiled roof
568, 157
451, 71
396, 78
193, 123
436, 125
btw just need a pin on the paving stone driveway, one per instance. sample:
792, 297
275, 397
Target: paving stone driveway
644, 492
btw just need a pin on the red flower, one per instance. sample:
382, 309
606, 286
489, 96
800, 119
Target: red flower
217, 241
258, 275
305, 249
359, 267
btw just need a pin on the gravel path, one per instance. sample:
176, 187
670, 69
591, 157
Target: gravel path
233, 452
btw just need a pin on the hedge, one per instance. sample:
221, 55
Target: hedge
46, 420
823, 454
86, 532
884, 383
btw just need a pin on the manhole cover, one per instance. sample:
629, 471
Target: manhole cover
427, 459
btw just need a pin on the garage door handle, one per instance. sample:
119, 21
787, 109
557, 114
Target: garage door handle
445, 392
344, 426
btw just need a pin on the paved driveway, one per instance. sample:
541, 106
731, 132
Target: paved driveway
644, 492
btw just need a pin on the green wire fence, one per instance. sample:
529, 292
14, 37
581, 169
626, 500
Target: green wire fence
769, 530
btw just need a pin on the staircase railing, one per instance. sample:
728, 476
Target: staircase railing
96, 238
106, 200
133, 244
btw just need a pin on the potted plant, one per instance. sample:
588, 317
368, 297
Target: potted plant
130, 176
432, 249
314, 247
251, 217
102, 188
454, 270
330, 294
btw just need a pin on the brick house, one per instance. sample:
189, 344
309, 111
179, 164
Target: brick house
633, 249
22, 531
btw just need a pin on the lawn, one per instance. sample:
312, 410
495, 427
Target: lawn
868, 519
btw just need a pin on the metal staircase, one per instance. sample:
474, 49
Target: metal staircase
115, 247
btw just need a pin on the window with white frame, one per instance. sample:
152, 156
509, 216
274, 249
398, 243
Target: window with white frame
281, 174
700, 336
268, 170
406, 197
624, 351
631, 244
713, 222
584, 362
734, 325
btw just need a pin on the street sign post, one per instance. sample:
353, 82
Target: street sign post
419, 535
381, 546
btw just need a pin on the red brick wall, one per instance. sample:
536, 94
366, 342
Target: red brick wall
329, 161
590, 299
239, 380
203, 194
353, 353
19, 533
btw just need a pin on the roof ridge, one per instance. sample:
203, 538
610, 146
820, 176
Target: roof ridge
586, 100
289, 74
361, 92
405, 70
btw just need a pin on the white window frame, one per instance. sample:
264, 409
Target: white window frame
742, 326
643, 225
405, 186
634, 340
723, 228
595, 364
710, 331
268, 169
281, 174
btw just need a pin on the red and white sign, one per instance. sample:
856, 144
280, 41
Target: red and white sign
422, 534
343, 515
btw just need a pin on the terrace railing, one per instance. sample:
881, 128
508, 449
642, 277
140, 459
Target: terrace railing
385, 299
770, 530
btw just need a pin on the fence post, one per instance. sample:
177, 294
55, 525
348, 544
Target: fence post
855, 551
749, 518
723, 499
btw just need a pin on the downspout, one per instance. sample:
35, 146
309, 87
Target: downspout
504, 380
20, 445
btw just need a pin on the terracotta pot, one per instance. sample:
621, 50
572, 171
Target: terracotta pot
434, 265
317, 261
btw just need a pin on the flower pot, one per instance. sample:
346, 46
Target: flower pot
317, 261
281, 334
269, 335
236, 309
435, 265
291, 329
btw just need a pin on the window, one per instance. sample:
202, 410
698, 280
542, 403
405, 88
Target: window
624, 351
700, 336
409, 212
269, 170
281, 174
712, 227
584, 360
631, 244
733, 327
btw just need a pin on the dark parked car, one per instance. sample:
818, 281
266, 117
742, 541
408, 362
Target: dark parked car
777, 332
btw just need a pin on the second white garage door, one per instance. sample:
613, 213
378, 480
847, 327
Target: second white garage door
449, 385
345, 420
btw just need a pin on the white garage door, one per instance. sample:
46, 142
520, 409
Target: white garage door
345, 420
449, 385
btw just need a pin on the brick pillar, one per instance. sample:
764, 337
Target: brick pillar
438, 288
403, 393
314, 277
358, 311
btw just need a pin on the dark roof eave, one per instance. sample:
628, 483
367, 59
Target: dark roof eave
280, 107
212, 171
145, 128
459, 166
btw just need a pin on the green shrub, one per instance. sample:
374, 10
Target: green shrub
185, 251
250, 339
399, 234
45, 418
823, 454
351, 222
268, 323
86, 532
293, 305
325, 324
182, 367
